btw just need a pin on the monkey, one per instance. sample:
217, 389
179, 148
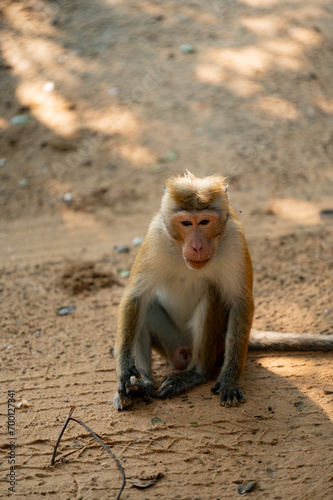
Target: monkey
190, 298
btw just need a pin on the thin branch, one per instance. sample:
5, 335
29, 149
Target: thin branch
61, 433
106, 448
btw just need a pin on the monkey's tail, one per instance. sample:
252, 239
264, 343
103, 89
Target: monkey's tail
274, 341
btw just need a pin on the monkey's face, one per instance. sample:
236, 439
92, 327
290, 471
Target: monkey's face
198, 236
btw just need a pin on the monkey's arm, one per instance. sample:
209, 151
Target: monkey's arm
128, 324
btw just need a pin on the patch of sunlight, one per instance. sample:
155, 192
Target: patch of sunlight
136, 154
78, 221
278, 107
3, 123
210, 73
50, 109
289, 53
244, 87
305, 36
214, 75
112, 121
325, 104
309, 372
263, 4
297, 210
247, 61
30, 19
284, 47
263, 26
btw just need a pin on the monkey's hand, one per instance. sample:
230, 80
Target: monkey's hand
231, 395
132, 385
179, 382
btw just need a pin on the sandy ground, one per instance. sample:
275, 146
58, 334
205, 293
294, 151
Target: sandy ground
112, 105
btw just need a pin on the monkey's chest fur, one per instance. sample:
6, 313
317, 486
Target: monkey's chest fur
179, 299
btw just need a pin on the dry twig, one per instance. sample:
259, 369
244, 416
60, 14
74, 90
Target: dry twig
106, 448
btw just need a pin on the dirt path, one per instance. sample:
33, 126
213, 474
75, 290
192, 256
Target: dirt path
113, 97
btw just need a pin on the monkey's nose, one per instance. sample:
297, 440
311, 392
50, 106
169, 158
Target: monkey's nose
197, 248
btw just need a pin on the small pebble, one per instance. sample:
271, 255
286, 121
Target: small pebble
124, 273
37, 333
48, 87
64, 311
122, 249
67, 197
187, 48
136, 242
24, 183
326, 213
2, 162
246, 487
19, 120
169, 156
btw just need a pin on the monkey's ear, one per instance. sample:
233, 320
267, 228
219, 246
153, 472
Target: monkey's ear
164, 189
226, 189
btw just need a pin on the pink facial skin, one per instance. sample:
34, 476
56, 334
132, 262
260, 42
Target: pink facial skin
197, 235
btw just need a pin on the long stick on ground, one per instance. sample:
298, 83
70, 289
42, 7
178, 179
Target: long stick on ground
106, 448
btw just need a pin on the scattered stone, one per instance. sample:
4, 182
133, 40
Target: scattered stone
246, 487
64, 311
327, 213
67, 198
19, 119
24, 183
122, 249
124, 273
48, 87
2, 162
187, 48
37, 333
169, 156
136, 242
143, 484
157, 420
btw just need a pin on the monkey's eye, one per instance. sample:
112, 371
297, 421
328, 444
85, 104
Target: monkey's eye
204, 222
187, 223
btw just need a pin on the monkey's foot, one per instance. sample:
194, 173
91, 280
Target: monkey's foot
176, 383
139, 388
231, 395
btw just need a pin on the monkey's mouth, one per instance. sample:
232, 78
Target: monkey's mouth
196, 264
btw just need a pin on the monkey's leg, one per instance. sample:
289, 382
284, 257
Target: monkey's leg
177, 383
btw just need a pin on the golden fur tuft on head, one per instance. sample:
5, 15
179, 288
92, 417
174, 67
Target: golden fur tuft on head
193, 193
